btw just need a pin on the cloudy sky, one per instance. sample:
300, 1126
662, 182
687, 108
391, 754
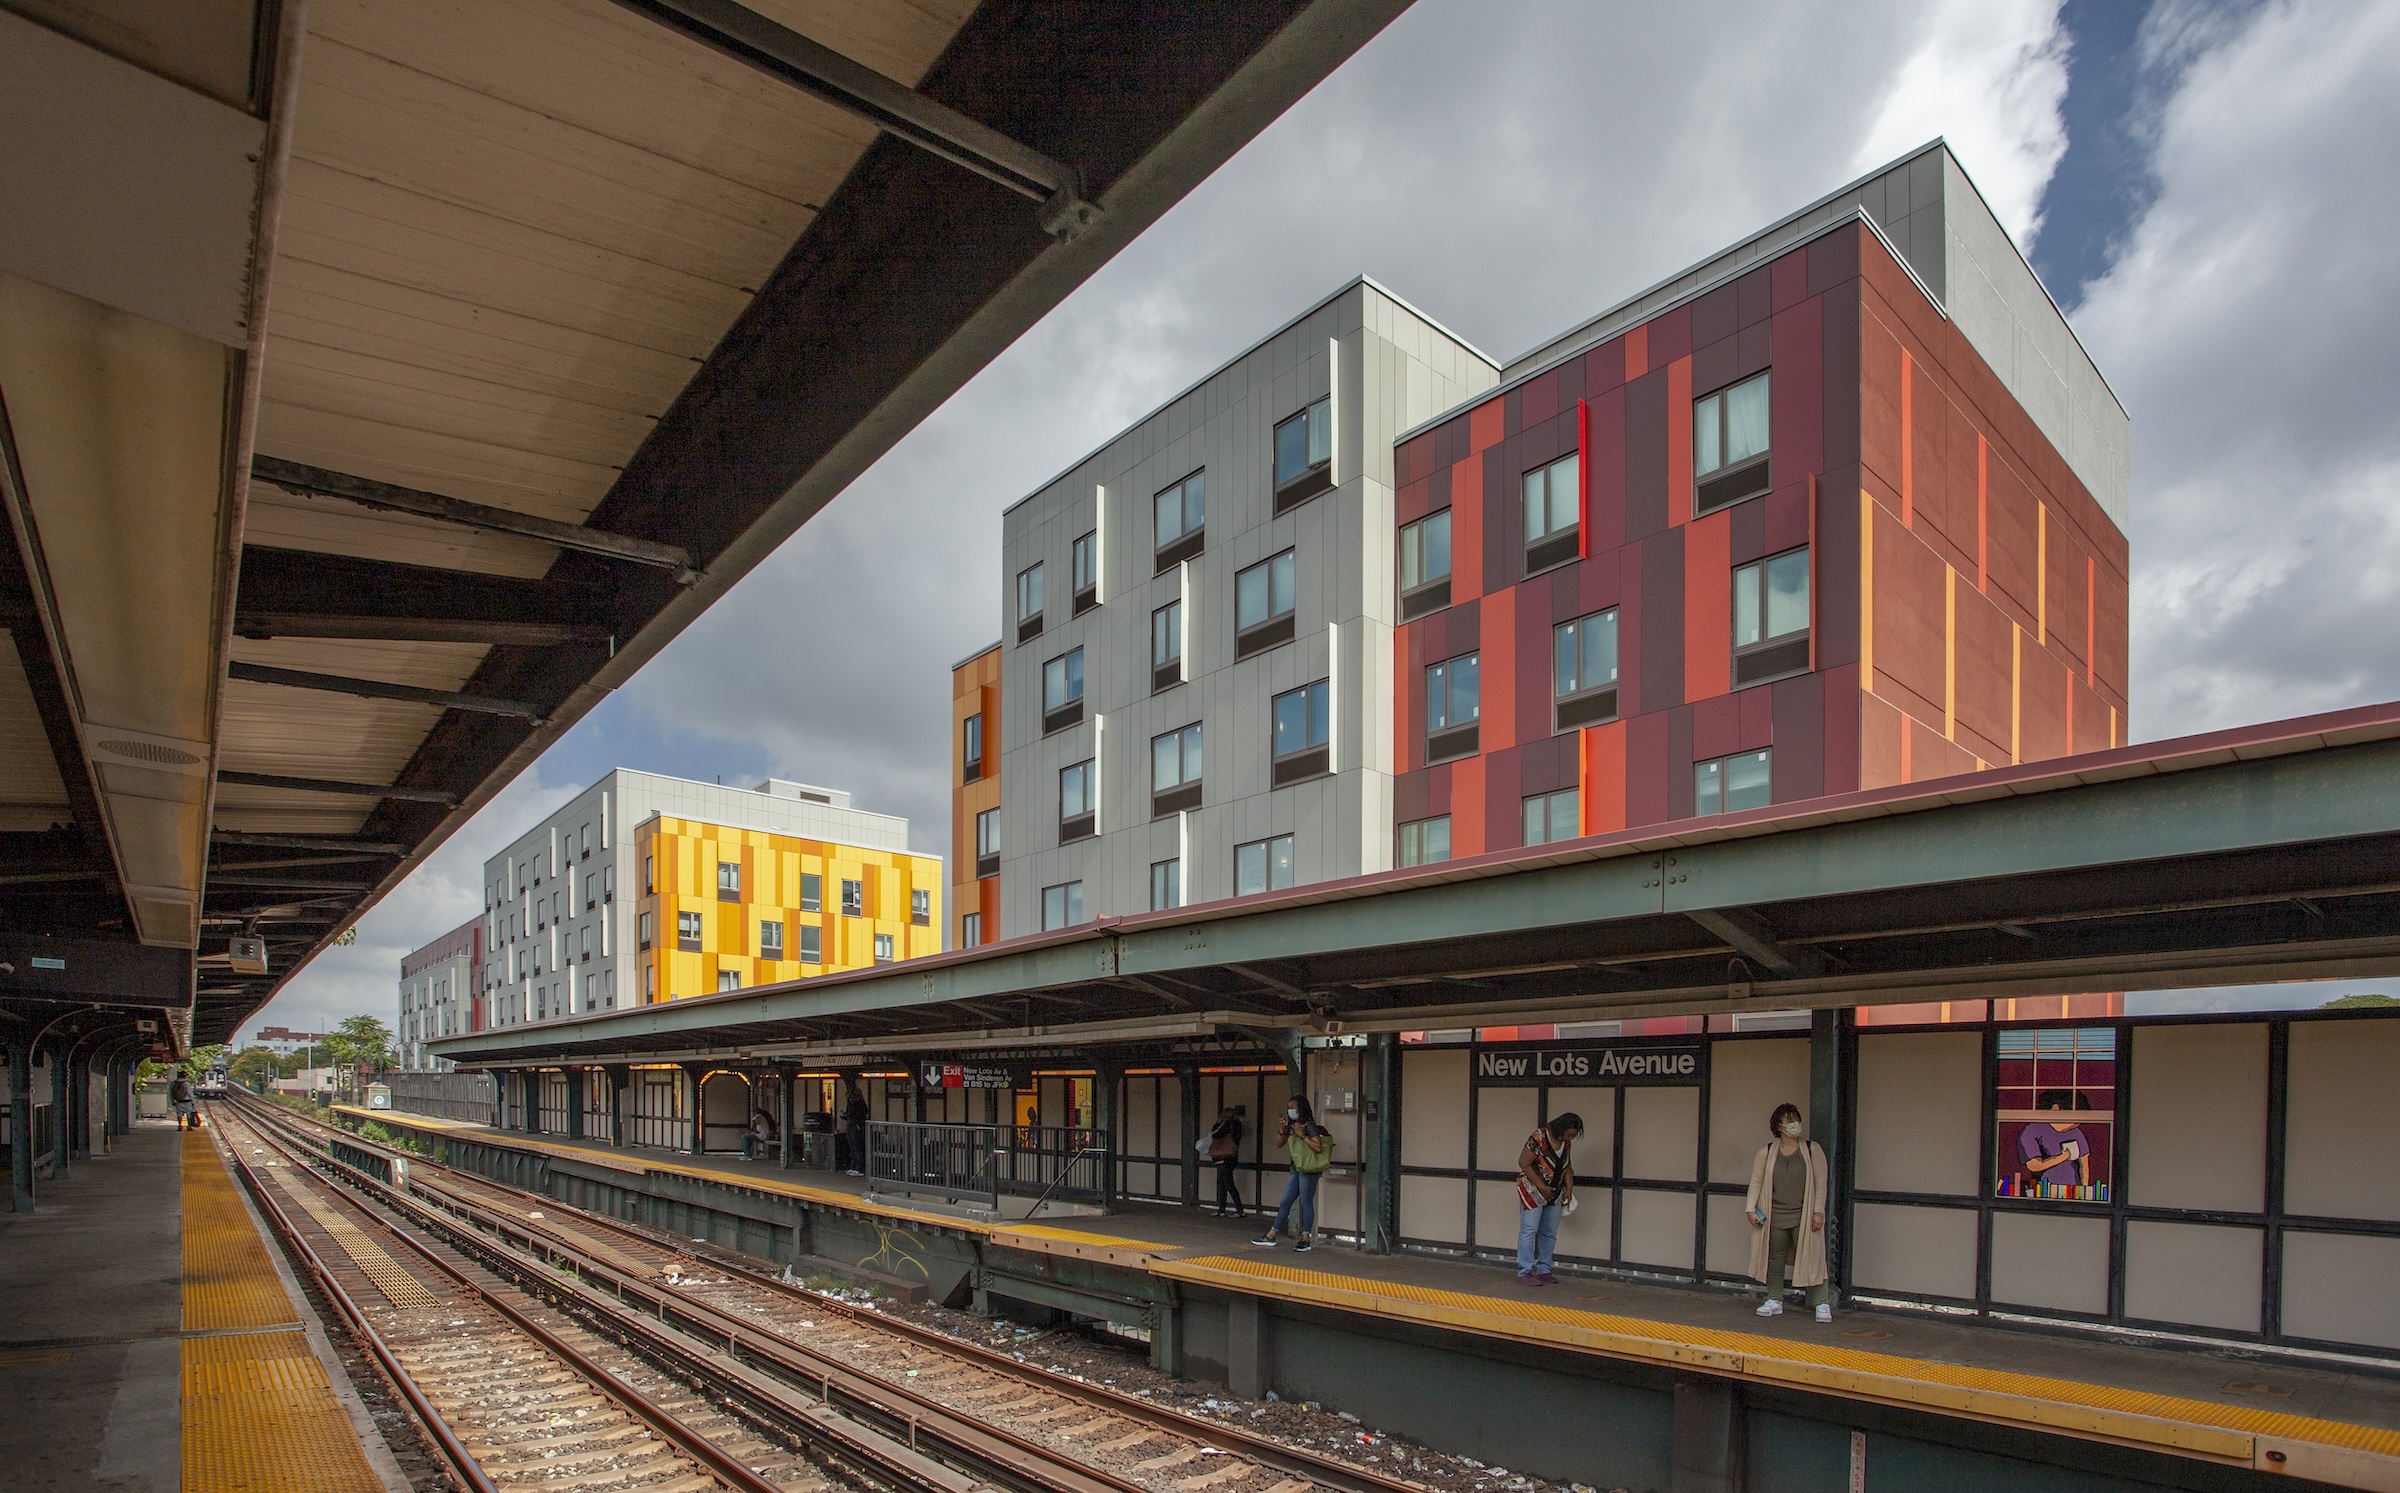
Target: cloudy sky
2195, 183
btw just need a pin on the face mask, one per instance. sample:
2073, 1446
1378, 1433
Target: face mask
1291, 1114
1792, 1128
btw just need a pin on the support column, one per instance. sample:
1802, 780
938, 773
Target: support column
20, 1126
783, 1132
1709, 1438
1249, 1347
79, 1106
694, 1074
1107, 1110
620, 1078
1379, 1135
61, 1132
576, 1084
1187, 1079
1825, 1108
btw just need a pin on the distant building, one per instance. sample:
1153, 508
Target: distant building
975, 798
438, 984
646, 888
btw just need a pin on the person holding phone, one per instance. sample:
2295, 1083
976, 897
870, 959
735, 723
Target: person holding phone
1786, 1209
2056, 1152
1310, 1146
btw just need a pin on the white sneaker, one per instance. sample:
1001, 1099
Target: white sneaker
1825, 1313
1770, 1309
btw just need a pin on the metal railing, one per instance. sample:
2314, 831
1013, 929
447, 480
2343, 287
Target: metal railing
980, 1163
448, 1096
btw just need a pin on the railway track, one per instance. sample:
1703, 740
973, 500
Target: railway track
980, 1414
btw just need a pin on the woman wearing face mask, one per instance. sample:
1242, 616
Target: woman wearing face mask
1787, 1215
1311, 1149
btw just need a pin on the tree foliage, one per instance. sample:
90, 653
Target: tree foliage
2367, 1000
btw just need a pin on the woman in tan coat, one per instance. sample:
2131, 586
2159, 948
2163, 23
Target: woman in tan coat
1786, 1209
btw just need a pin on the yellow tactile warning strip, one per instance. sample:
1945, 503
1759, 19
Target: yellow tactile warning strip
258, 1412
397, 1285
2226, 1433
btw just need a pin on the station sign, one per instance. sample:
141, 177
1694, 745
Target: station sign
1591, 1064
934, 1074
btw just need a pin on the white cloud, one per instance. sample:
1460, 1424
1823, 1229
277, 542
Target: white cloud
1989, 77
2250, 325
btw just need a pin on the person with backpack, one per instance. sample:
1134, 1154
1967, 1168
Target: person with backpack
1225, 1151
1545, 1190
1311, 1148
187, 1104
1786, 1209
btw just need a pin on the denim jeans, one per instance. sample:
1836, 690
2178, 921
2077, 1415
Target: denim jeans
1300, 1187
1537, 1238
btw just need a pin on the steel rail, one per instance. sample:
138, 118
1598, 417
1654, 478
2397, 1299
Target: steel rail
886, 1457
1263, 1450
691, 1442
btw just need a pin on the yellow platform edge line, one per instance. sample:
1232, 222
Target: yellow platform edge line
257, 1409
2190, 1427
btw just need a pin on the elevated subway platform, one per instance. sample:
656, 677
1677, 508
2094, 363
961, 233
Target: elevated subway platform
154, 1342
1455, 1353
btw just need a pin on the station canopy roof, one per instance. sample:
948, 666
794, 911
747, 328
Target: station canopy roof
2262, 854
385, 382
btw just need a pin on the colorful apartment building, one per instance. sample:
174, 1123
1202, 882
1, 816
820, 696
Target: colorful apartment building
589, 909
724, 908
1793, 523
975, 797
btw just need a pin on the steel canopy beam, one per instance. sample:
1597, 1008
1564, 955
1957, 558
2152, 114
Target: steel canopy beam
336, 785
785, 55
376, 689
1753, 940
417, 629
309, 481
305, 842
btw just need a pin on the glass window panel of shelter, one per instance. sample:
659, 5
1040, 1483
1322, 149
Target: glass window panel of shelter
1262, 866
1728, 785
1553, 513
1583, 670
1771, 618
1425, 841
1729, 445
1425, 565
1181, 515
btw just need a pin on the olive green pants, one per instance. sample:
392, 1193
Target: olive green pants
1783, 1247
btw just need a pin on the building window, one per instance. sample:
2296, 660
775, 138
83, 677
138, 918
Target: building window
1729, 785
584, 844
1087, 573
1175, 771
687, 933
1729, 445
1425, 565
1166, 885
1552, 816
1425, 841
1453, 705
649, 982
729, 881
649, 874
1166, 647
920, 907
1262, 866
1062, 691
587, 944
987, 843
812, 892
1263, 601
883, 948
1770, 618
1303, 732
770, 940
1062, 905
1583, 670
648, 929
1553, 514
608, 884
854, 898
1304, 455
591, 890
812, 944
728, 980
1029, 602
1078, 814
1182, 521
970, 931
971, 747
